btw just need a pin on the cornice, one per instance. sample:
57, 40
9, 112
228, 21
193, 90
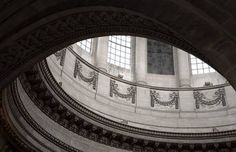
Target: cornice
143, 85
59, 30
11, 133
43, 68
42, 97
13, 92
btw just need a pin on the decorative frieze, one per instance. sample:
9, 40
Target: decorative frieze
60, 56
111, 138
156, 99
91, 80
131, 91
202, 100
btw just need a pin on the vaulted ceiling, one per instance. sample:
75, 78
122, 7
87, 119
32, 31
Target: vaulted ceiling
30, 30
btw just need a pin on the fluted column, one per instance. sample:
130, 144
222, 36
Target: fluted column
183, 68
141, 60
101, 54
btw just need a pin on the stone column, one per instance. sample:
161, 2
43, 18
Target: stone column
141, 60
183, 68
101, 54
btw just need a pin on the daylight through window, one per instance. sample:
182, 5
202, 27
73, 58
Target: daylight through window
199, 67
119, 51
85, 45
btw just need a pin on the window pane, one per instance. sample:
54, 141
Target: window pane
122, 54
200, 71
199, 67
85, 45
194, 71
119, 51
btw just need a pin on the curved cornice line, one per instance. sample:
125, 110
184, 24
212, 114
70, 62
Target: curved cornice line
68, 119
44, 69
143, 85
64, 28
13, 91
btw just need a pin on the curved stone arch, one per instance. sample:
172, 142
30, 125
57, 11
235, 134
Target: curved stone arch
52, 32
30, 42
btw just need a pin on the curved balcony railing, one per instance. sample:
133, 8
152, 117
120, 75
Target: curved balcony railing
157, 98
109, 95
143, 85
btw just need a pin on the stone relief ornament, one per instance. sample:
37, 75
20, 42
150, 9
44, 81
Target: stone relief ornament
156, 99
95, 132
91, 80
203, 100
131, 91
60, 56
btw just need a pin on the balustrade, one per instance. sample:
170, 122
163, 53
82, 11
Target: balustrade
160, 98
143, 105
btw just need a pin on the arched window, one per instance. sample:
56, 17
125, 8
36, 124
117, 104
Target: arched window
119, 51
199, 67
85, 45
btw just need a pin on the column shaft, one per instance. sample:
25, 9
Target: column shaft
101, 54
141, 60
184, 69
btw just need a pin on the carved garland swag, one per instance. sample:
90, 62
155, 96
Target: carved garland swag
115, 90
156, 99
92, 80
218, 97
127, 142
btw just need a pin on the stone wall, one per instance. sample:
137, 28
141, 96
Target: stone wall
152, 62
186, 116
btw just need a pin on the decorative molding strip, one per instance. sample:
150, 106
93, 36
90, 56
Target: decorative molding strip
156, 99
49, 79
11, 133
84, 20
92, 80
98, 70
60, 55
13, 92
115, 90
201, 99
57, 112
